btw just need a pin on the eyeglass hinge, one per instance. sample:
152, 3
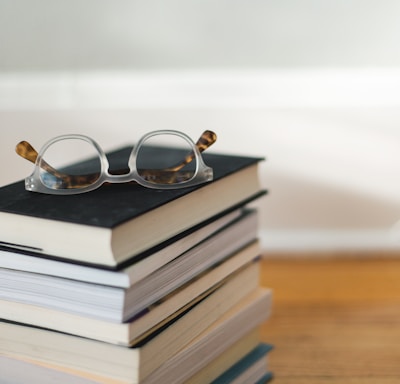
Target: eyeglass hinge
29, 183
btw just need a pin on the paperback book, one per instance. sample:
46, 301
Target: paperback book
239, 274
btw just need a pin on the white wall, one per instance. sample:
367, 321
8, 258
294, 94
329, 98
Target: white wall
126, 34
312, 85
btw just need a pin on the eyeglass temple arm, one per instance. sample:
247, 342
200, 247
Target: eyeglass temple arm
25, 150
206, 140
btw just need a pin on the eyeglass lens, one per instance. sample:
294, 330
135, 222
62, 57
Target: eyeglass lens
70, 164
166, 159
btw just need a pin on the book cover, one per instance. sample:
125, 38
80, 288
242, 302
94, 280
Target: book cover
110, 205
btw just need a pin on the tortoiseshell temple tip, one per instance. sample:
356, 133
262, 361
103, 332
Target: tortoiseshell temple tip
212, 136
207, 139
25, 150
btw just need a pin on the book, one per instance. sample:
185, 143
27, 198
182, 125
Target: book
238, 275
169, 357
122, 304
130, 272
228, 358
118, 222
266, 378
252, 368
16, 371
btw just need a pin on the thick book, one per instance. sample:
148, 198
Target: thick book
118, 222
122, 304
236, 276
129, 273
146, 362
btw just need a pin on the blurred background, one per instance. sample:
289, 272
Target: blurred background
313, 86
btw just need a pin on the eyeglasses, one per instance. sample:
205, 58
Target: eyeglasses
163, 159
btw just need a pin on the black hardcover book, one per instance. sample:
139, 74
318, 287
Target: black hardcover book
116, 222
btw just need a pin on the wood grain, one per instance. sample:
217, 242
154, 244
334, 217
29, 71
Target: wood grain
334, 320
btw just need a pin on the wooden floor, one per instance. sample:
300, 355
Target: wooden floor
335, 320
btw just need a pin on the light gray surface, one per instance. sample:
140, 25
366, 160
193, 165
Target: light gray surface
75, 34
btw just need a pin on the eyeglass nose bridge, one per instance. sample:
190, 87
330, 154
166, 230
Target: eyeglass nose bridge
120, 178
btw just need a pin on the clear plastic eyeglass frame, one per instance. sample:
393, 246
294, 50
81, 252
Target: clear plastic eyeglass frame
75, 184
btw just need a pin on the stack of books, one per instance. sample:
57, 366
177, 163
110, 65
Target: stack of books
133, 285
